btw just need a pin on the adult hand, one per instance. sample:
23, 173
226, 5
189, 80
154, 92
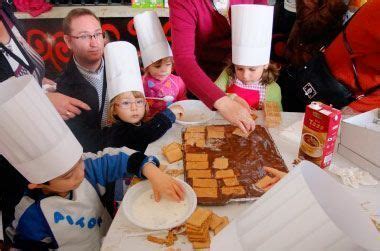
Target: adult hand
177, 110
163, 184
235, 113
66, 106
242, 102
348, 111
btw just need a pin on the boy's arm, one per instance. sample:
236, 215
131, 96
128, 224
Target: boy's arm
114, 163
30, 230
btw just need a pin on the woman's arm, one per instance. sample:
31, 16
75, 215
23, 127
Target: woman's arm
183, 18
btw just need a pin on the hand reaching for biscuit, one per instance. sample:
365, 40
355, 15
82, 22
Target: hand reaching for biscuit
267, 182
177, 110
163, 184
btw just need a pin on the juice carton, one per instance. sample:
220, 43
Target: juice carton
319, 133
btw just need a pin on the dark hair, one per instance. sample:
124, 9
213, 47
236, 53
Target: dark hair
75, 13
270, 74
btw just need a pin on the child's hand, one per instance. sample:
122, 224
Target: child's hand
177, 110
163, 184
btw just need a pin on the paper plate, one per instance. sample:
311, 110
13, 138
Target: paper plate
141, 209
196, 112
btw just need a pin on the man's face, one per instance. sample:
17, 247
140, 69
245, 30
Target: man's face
87, 51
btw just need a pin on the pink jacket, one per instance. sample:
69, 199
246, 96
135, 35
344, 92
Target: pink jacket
201, 43
171, 86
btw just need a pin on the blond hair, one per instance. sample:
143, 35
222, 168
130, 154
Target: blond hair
270, 74
111, 116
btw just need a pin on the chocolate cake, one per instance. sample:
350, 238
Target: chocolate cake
226, 166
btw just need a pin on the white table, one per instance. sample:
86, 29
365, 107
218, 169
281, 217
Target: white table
287, 138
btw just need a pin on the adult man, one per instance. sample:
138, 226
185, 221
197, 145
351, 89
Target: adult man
84, 77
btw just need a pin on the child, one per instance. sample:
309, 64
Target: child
157, 57
62, 208
251, 77
128, 105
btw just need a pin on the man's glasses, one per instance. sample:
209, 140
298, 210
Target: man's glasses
87, 37
124, 104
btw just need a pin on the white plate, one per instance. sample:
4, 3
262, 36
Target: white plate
135, 192
196, 112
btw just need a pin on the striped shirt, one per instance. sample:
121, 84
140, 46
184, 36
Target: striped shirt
96, 80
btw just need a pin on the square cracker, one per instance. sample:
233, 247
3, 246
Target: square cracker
222, 225
199, 217
196, 157
215, 221
196, 129
173, 155
231, 181
272, 114
205, 183
199, 173
206, 192
240, 133
215, 135
221, 174
190, 165
236, 190
171, 146
264, 182
220, 163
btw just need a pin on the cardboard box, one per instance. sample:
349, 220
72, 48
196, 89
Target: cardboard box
319, 133
360, 141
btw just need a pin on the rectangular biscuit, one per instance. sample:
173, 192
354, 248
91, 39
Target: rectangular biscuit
220, 163
194, 135
199, 217
221, 174
240, 133
222, 225
173, 155
196, 129
236, 190
215, 135
206, 192
199, 173
171, 146
200, 245
190, 165
215, 221
231, 181
196, 157
216, 128
205, 183
264, 182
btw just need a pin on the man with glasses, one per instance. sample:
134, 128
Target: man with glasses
84, 77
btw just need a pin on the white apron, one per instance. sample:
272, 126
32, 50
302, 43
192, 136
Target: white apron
80, 223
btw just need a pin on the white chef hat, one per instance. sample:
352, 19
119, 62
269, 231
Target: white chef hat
251, 34
152, 41
33, 137
122, 69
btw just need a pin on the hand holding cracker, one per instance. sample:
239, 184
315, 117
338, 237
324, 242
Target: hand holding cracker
177, 110
163, 184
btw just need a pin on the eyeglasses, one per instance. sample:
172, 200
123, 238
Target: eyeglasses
124, 104
87, 37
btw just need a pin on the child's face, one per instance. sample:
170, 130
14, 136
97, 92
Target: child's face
64, 183
130, 109
161, 70
249, 74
